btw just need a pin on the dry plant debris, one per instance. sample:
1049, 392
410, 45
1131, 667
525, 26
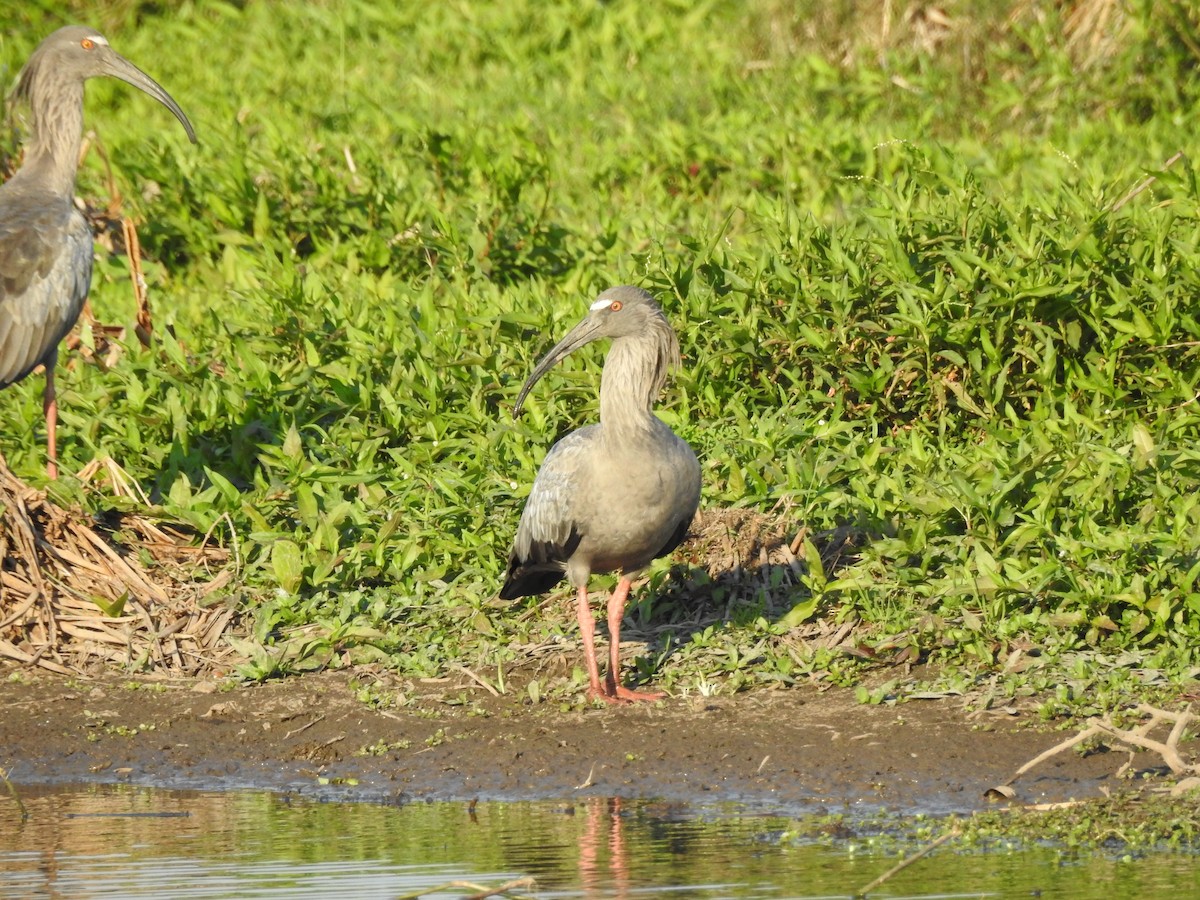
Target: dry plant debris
1132, 740
732, 543
75, 595
762, 557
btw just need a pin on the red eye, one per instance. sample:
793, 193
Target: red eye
616, 306
87, 43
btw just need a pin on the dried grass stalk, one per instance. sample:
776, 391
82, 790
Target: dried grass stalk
75, 596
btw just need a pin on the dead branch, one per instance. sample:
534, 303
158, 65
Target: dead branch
1131, 739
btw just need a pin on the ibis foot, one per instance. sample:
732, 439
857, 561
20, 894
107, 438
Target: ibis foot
624, 694
613, 694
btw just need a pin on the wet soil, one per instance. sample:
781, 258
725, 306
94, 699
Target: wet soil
797, 749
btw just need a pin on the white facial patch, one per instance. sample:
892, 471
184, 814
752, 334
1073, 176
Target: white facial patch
98, 39
600, 304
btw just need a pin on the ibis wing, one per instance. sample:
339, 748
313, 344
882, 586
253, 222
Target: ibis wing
676, 537
45, 274
549, 532
688, 469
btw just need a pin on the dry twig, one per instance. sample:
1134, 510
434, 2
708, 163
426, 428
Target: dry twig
908, 861
1146, 183
480, 891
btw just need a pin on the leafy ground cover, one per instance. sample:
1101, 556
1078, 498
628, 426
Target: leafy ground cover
938, 345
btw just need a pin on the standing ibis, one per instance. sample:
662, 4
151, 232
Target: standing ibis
45, 242
614, 496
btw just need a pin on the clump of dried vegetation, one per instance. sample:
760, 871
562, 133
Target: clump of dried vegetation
132, 591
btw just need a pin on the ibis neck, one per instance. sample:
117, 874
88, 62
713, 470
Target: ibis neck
53, 151
629, 386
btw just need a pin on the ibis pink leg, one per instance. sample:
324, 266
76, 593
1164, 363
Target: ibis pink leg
587, 628
50, 411
614, 690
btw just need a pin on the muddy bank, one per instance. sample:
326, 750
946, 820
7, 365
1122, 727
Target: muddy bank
796, 749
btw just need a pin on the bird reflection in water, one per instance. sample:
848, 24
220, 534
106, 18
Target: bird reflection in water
600, 874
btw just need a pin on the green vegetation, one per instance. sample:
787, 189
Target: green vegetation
914, 296
1125, 826
1132, 822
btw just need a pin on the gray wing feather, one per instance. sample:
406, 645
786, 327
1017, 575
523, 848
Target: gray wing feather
549, 515
548, 533
45, 274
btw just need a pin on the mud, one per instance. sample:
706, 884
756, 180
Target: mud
796, 750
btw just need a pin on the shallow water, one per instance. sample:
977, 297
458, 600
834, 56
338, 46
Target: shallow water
104, 841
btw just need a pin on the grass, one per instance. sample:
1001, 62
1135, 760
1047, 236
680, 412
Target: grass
912, 295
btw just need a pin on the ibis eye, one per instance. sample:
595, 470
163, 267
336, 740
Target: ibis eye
616, 306
87, 43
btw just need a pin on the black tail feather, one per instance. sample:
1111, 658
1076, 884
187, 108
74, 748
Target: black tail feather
545, 567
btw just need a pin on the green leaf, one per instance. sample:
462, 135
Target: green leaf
286, 562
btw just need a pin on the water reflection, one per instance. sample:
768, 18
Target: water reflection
602, 858
136, 842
